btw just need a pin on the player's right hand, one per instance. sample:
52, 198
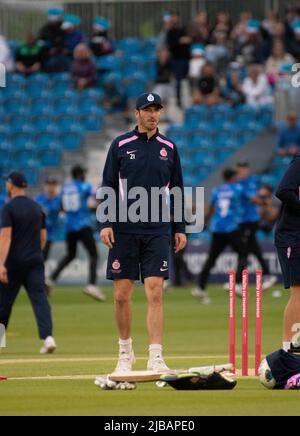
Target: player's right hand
3, 275
107, 237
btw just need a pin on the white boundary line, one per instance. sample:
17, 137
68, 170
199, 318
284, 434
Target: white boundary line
100, 359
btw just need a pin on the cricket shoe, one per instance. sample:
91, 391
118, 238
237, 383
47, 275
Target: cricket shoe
201, 295
95, 293
239, 291
157, 365
269, 282
50, 284
49, 346
125, 362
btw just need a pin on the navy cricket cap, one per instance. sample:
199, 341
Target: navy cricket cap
17, 179
147, 100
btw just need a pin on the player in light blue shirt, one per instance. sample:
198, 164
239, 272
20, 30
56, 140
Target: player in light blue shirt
225, 214
76, 196
50, 200
250, 185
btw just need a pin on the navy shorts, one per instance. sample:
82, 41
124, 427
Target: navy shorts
137, 257
289, 259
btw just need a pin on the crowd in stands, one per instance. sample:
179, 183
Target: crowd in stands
236, 63
60, 46
254, 52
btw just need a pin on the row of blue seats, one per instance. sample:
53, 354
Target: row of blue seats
55, 124
24, 141
45, 158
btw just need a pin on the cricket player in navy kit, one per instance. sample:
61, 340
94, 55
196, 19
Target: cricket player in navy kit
144, 158
23, 237
287, 241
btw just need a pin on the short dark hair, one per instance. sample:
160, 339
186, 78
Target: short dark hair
229, 174
77, 171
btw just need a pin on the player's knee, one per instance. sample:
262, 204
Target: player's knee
123, 293
122, 297
155, 292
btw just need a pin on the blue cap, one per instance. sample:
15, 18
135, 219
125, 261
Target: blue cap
71, 20
17, 179
198, 49
102, 23
55, 12
253, 26
286, 69
167, 16
147, 100
296, 26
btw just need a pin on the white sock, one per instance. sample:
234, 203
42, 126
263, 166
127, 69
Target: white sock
155, 351
286, 346
125, 345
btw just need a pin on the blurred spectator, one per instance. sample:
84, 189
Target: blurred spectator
83, 70
295, 43
223, 24
269, 210
179, 47
278, 58
163, 83
256, 87
6, 56
240, 33
29, 56
100, 43
199, 29
219, 51
271, 22
289, 136
52, 37
115, 95
252, 50
233, 91
292, 16
162, 37
73, 35
197, 62
208, 89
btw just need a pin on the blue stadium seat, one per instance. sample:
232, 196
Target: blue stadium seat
22, 128
21, 141
71, 140
15, 105
45, 140
64, 105
91, 122
65, 122
60, 87
109, 63
21, 157
130, 45
31, 171
52, 156
36, 89
92, 93
39, 103
41, 122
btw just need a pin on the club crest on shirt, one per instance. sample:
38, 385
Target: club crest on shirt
163, 154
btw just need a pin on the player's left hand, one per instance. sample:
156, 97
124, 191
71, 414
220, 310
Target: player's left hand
3, 274
180, 242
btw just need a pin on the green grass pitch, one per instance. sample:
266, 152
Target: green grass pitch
63, 384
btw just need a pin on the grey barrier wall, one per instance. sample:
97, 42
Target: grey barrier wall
130, 17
